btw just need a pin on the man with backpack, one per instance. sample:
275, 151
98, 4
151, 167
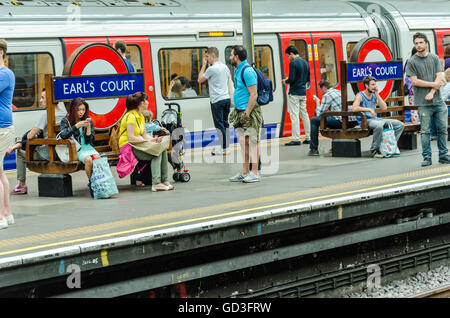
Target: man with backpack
247, 117
299, 76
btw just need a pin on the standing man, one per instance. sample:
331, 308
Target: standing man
366, 102
425, 72
299, 76
246, 117
122, 48
7, 84
217, 76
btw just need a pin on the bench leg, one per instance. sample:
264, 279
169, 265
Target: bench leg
407, 141
55, 185
346, 148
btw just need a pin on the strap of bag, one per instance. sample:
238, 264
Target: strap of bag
137, 123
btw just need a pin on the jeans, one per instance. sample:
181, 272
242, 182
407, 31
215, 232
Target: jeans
296, 106
220, 112
330, 122
377, 126
439, 113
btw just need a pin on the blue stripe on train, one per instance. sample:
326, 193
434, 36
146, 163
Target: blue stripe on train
193, 140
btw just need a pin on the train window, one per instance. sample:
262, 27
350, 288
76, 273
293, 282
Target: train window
263, 61
327, 62
301, 47
350, 46
134, 55
183, 65
446, 46
29, 70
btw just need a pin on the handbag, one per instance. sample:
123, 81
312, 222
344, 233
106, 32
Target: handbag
103, 184
127, 161
152, 147
63, 150
388, 147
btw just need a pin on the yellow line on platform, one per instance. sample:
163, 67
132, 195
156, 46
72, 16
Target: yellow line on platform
110, 225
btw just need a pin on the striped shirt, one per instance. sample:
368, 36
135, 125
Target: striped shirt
332, 101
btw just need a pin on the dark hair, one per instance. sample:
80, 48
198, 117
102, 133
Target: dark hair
413, 51
73, 109
240, 52
420, 35
133, 100
291, 49
324, 83
367, 80
184, 82
120, 46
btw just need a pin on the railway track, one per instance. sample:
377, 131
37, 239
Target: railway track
441, 292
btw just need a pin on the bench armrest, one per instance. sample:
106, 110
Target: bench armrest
51, 142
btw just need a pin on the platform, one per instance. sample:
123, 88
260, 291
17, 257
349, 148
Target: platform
49, 228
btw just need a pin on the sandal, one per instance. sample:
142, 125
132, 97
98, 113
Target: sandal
168, 185
159, 188
19, 190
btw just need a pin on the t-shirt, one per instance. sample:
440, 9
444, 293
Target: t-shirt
7, 84
368, 103
299, 75
425, 68
131, 117
241, 94
217, 75
129, 65
42, 125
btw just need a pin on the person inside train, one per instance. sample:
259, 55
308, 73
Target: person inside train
132, 129
175, 89
121, 47
40, 152
446, 90
447, 57
366, 101
79, 125
186, 88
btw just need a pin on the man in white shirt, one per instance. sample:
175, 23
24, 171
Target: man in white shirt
217, 76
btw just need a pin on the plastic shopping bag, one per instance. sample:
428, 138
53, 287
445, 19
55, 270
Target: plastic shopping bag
388, 147
103, 184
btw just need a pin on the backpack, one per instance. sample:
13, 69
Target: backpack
264, 86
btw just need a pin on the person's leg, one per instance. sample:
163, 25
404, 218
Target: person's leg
441, 121
377, 128
88, 163
21, 168
225, 114
164, 166
216, 110
315, 126
425, 113
433, 130
305, 117
293, 109
243, 142
5, 209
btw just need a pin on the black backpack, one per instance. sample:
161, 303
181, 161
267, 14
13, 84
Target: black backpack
264, 86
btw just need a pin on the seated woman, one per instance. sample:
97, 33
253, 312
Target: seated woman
132, 129
78, 124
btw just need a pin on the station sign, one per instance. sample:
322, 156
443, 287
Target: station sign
371, 53
97, 86
99, 73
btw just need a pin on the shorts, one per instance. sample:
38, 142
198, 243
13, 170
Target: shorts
6, 140
247, 126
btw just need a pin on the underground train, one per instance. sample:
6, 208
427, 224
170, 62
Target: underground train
168, 37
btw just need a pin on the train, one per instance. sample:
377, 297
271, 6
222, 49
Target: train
169, 37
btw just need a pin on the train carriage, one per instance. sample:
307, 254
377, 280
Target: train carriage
170, 37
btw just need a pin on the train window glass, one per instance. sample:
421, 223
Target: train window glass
263, 61
183, 65
350, 46
134, 55
301, 47
327, 61
445, 44
29, 70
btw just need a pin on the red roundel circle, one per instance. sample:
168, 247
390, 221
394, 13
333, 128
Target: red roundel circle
96, 59
372, 50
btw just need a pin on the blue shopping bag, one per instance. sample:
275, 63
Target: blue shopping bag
103, 184
388, 147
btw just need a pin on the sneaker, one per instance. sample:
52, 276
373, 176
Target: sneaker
238, 178
306, 142
251, 177
10, 219
313, 152
376, 153
219, 152
3, 224
444, 159
293, 143
19, 190
426, 162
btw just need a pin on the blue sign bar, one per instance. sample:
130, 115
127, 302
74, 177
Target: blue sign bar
97, 86
380, 70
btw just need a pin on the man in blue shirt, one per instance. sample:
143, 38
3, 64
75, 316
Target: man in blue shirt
246, 118
122, 48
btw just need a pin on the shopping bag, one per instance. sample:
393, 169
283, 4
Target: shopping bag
388, 147
103, 184
63, 150
151, 147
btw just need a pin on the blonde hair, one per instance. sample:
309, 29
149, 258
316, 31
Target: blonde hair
447, 75
148, 115
3, 47
177, 89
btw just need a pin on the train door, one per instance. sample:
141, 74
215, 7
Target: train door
303, 42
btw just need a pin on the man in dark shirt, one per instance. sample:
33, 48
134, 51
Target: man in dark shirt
299, 76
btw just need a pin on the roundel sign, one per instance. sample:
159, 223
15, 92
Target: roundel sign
373, 50
94, 59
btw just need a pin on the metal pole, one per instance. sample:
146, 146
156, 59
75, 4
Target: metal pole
247, 29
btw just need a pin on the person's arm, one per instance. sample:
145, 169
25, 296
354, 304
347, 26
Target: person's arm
322, 107
33, 133
252, 100
380, 101
169, 92
292, 74
90, 133
356, 107
201, 78
421, 83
